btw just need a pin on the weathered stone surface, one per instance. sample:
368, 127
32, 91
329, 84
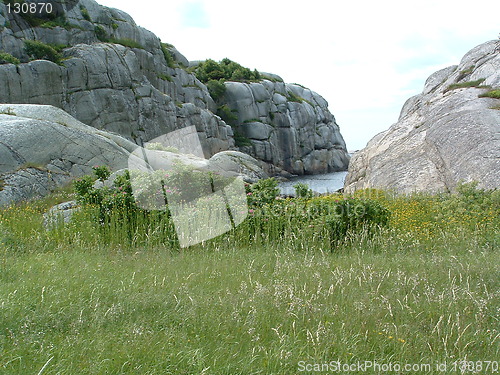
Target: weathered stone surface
129, 92
443, 136
239, 163
60, 213
289, 126
42, 147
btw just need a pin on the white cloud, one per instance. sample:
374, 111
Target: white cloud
365, 57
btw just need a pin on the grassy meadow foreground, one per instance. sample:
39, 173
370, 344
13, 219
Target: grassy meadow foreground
404, 280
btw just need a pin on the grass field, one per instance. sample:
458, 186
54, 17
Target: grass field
422, 290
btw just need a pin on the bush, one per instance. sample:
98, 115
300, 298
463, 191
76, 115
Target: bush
495, 94
351, 215
7, 58
118, 198
303, 191
60, 21
225, 70
294, 98
456, 86
227, 114
85, 13
169, 57
262, 192
41, 51
217, 89
101, 172
126, 43
241, 140
101, 34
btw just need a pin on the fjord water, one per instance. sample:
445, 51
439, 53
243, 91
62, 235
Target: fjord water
321, 183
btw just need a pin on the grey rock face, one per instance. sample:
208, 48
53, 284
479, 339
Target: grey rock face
444, 136
42, 147
127, 89
61, 213
239, 164
289, 127
130, 88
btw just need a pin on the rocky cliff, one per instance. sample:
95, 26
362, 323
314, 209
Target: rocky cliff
450, 133
96, 64
289, 126
42, 147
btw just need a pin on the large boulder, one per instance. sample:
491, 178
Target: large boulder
448, 134
42, 147
288, 127
238, 163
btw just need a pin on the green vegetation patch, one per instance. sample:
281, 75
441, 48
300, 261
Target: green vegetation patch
85, 13
216, 88
227, 114
225, 70
495, 94
126, 42
462, 85
240, 140
165, 77
102, 35
7, 58
60, 21
42, 51
169, 56
412, 280
464, 73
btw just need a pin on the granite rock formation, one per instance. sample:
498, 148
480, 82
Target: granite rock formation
118, 78
448, 134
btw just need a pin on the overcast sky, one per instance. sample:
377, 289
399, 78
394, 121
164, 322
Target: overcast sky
364, 57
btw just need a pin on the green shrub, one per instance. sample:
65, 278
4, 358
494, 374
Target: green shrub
294, 98
262, 192
225, 70
227, 115
101, 172
240, 139
108, 200
40, 51
495, 94
217, 89
165, 77
60, 21
85, 13
169, 57
353, 215
101, 34
303, 191
126, 42
456, 86
7, 58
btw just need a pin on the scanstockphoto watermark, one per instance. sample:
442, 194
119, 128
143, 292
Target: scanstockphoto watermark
171, 173
486, 367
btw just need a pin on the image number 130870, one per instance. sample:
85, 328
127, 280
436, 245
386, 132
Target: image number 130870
29, 8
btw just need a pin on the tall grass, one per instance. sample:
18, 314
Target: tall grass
94, 298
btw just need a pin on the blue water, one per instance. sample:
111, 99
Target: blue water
321, 183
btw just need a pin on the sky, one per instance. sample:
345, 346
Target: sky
365, 57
